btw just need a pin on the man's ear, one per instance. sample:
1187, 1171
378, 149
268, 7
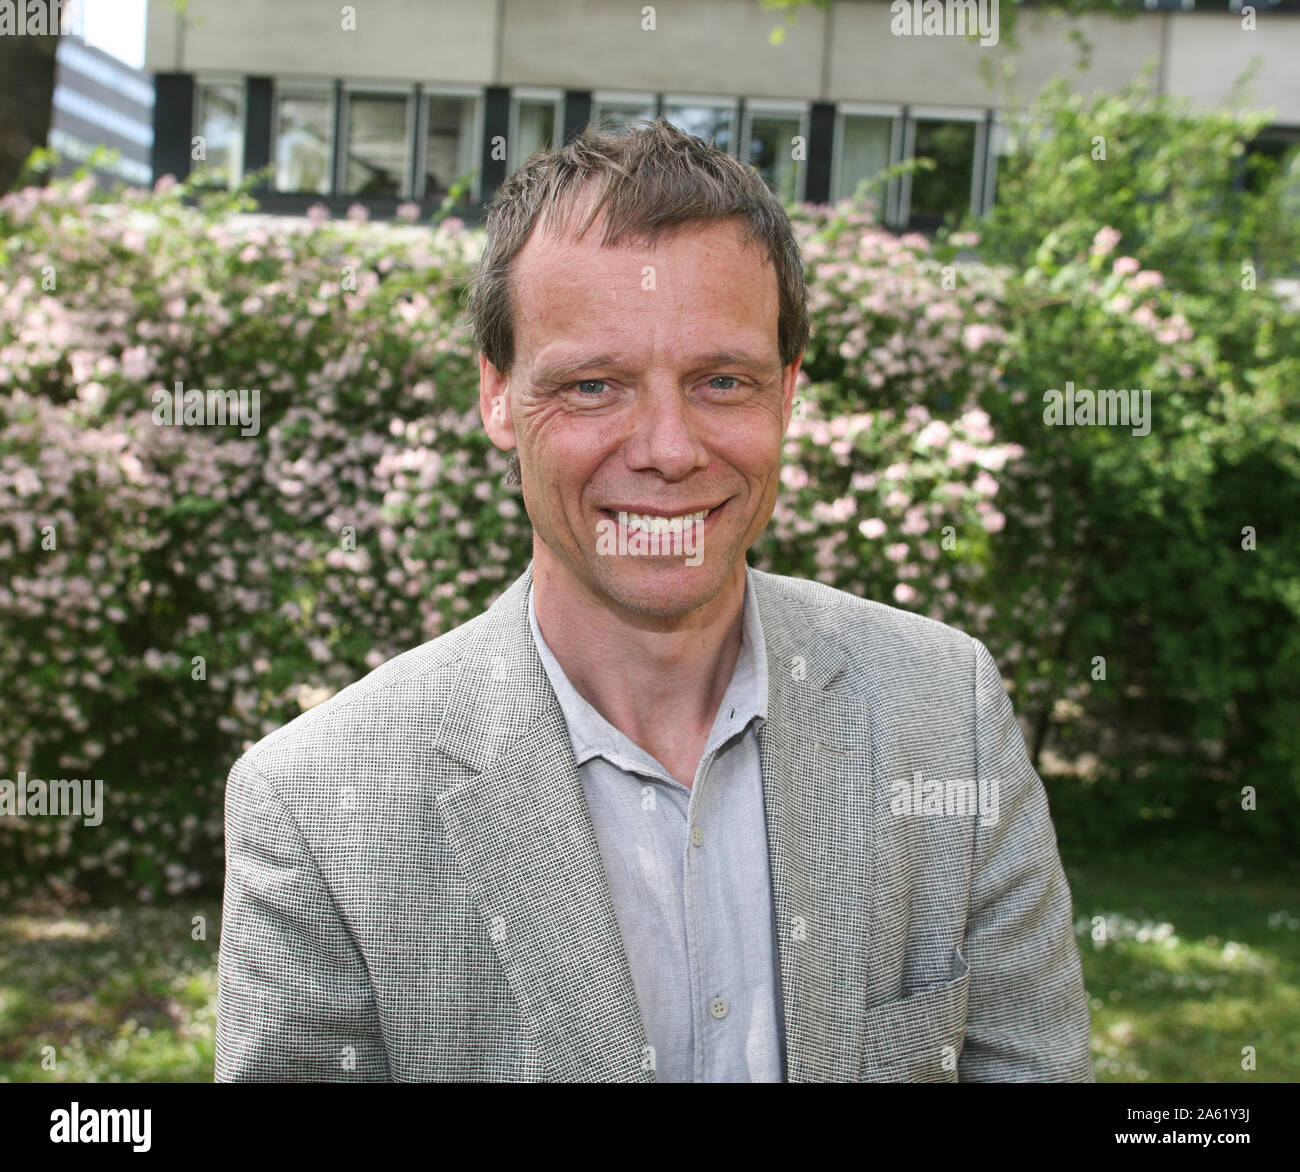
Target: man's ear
789, 383
494, 404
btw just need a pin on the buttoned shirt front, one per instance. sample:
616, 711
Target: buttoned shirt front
688, 873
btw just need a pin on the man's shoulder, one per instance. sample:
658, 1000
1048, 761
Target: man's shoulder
862, 625
415, 684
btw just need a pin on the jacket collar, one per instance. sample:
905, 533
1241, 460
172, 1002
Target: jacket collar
525, 840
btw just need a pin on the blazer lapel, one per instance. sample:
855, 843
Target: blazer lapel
818, 787
525, 840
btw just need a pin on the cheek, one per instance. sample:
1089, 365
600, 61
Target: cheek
753, 448
571, 444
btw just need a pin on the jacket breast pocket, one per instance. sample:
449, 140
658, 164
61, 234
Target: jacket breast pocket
919, 1037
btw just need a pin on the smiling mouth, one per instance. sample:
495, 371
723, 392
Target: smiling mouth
655, 522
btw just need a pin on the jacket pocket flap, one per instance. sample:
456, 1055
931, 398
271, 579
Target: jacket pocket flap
919, 1037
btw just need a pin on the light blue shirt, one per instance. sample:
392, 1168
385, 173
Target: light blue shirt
688, 873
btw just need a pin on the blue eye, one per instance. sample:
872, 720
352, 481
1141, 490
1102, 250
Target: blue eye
729, 378
590, 382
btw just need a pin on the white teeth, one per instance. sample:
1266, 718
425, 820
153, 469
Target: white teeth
650, 523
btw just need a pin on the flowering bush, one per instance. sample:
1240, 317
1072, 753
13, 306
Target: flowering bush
172, 594
892, 467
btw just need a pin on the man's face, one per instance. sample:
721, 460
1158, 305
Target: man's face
646, 380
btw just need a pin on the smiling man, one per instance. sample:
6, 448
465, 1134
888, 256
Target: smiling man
641, 820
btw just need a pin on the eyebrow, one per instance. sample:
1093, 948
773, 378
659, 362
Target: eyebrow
553, 373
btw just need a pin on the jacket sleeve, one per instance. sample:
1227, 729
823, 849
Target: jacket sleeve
294, 1001
1027, 1015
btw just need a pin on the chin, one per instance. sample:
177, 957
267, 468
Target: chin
666, 590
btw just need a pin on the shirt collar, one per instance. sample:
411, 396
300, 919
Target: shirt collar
591, 735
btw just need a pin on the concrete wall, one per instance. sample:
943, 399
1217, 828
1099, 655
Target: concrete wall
721, 47
868, 63
1208, 51
696, 47
407, 40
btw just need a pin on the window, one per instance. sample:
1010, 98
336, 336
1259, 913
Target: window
1001, 144
304, 134
711, 121
1274, 158
378, 153
617, 111
536, 126
448, 143
769, 145
219, 121
865, 150
942, 194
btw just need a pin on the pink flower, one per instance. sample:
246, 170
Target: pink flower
942, 311
136, 364
960, 454
914, 524
977, 335
903, 594
934, 434
1105, 241
1127, 265
92, 394
794, 477
872, 528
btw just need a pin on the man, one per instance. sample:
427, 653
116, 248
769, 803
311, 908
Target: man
648, 818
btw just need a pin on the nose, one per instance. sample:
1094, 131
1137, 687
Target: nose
666, 434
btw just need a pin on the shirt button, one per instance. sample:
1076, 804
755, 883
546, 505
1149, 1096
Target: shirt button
718, 1007
697, 836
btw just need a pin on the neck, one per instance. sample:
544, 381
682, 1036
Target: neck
658, 679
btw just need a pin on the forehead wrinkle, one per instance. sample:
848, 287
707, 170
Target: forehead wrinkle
570, 291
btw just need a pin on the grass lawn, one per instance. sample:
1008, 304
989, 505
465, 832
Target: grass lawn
1197, 964
122, 995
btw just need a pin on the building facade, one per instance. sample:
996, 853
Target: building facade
99, 101
422, 100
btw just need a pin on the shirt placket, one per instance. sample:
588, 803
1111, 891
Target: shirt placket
698, 890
